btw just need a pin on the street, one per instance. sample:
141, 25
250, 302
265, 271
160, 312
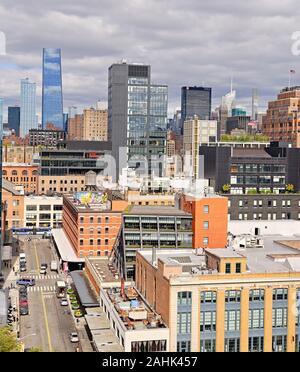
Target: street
48, 324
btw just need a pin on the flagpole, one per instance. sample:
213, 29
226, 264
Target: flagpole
290, 76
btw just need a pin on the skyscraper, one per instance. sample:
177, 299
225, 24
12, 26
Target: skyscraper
137, 114
14, 119
28, 107
52, 100
195, 101
255, 103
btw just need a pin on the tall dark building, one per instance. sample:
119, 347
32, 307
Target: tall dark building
137, 115
195, 101
14, 119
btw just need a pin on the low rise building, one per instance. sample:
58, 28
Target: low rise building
22, 174
92, 222
151, 199
13, 197
61, 184
239, 299
254, 207
137, 325
43, 211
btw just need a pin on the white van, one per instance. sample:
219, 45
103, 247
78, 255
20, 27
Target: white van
23, 257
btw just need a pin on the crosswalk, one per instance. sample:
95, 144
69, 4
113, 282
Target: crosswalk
42, 277
42, 288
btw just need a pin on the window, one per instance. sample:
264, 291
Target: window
205, 241
184, 347
206, 225
233, 296
228, 268
184, 298
206, 209
257, 295
208, 297
256, 319
232, 320
208, 321
238, 268
280, 318
184, 323
208, 346
280, 294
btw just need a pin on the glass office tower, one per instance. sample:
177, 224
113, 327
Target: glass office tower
137, 114
195, 101
52, 100
14, 119
28, 107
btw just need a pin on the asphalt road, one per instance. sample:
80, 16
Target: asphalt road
48, 324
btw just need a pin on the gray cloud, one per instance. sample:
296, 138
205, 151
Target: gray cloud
188, 42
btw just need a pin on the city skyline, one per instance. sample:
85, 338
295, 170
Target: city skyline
224, 51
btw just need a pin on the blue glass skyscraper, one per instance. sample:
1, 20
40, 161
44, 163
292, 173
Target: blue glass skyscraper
52, 105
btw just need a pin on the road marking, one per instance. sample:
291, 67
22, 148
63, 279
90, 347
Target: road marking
46, 323
36, 257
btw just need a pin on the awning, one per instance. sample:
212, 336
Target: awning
64, 247
85, 293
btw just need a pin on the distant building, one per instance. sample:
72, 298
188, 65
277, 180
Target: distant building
282, 120
238, 122
95, 125
197, 132
46, 137
75, 128
195, 101
52, 99
28, 118
137, 114
14, 119
74, 158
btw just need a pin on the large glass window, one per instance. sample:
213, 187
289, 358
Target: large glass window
232, 320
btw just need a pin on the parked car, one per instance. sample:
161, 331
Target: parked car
64, 302
26, 282
24, 310
23, 302
22, 257
74, 337
23, 267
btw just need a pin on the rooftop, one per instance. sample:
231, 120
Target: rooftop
156, 211
252, 153
269, 255
103, 270
133, 311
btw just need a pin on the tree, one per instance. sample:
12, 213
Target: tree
8, 341
226, 188
35, 350
290, 188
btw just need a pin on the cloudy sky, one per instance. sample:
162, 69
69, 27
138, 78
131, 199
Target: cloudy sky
187, 42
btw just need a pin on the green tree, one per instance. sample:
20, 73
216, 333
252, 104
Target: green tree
290, 188
226, 188
35, 350
8, 341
